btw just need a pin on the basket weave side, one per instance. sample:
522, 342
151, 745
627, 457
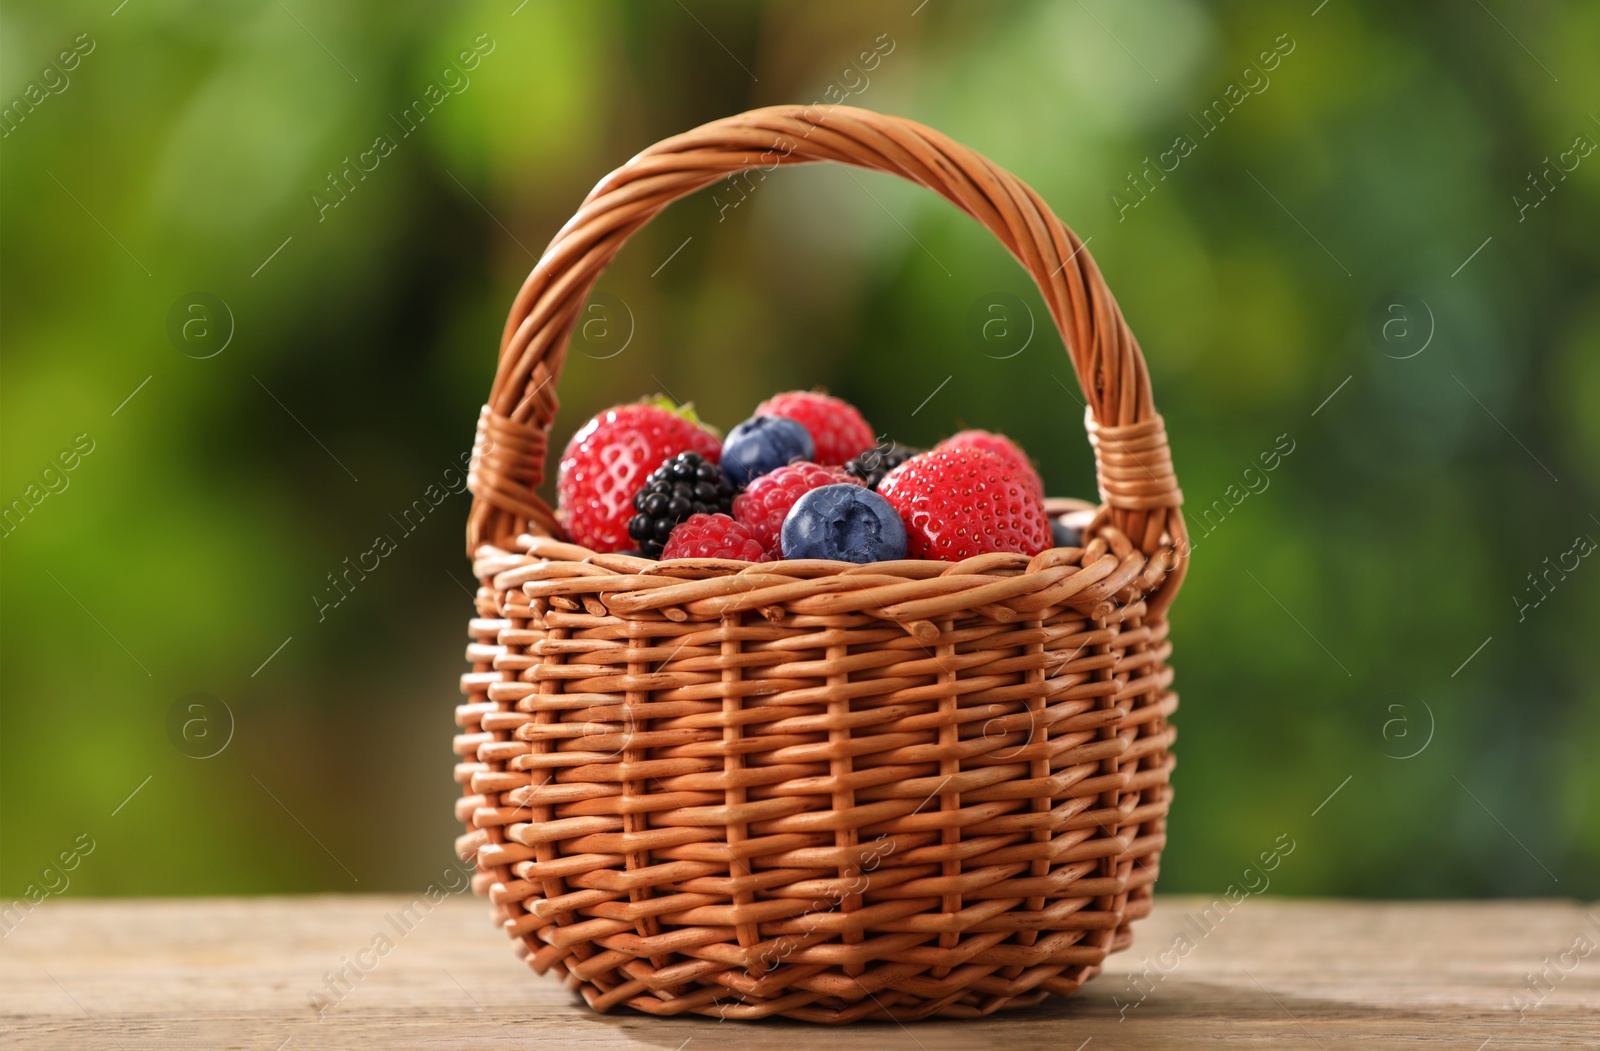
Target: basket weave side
805, 788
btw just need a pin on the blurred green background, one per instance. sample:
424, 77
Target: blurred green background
1372, 251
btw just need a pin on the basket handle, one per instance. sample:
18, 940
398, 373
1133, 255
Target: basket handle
1132, 459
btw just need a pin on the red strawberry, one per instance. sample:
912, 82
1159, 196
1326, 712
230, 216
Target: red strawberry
764, 504
712, 536
836, 426
957, 503
609, 459
1001, 446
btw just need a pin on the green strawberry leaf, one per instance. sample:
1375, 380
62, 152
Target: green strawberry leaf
686, 411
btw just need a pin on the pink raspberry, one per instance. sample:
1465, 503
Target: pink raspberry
763, 506
837, 427
712, 536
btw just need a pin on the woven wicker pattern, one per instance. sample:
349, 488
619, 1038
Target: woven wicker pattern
806, 788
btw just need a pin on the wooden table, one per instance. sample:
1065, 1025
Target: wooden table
232, 973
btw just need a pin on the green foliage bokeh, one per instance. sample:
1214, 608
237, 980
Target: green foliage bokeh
1326, 620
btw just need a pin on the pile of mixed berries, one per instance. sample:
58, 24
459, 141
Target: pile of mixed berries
804, 477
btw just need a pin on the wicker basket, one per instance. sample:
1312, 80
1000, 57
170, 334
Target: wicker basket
804, 788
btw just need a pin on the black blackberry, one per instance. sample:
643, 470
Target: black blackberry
688, 484
878, 461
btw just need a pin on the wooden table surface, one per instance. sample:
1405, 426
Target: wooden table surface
241, 973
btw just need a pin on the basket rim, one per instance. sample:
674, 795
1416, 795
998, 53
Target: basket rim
1108, 573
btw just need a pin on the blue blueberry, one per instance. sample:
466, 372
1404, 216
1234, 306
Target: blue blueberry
846, 522
761, 444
